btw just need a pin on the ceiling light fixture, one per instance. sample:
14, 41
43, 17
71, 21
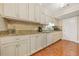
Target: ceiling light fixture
62, 4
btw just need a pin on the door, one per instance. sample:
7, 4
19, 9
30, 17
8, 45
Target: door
69, 28
8, 49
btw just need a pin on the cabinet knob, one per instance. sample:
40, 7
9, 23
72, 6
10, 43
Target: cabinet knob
17, 45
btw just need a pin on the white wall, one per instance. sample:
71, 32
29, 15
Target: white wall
69, 28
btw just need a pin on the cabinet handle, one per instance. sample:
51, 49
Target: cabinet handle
17, 45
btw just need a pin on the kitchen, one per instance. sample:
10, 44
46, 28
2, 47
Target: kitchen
27, 29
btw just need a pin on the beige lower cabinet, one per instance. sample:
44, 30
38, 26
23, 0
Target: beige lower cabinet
53, 37
57, 36
22, 48
33, 44
27, 45
50, 38
38, 42
8, 49
44, 40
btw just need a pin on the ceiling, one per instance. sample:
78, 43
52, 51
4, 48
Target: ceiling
55, 8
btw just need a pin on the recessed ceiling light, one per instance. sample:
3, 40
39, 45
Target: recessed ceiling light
62, 4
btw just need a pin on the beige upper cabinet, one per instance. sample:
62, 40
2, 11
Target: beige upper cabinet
42, 15
1, 9
43, 19
10, 9
48, 19
37, 13
31, 12
23, 11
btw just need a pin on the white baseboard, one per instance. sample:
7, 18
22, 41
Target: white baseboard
77, 41
72, 41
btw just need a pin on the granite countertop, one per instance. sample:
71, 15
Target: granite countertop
4, 34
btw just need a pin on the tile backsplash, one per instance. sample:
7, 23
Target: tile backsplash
19, 27
22, 25
3, 33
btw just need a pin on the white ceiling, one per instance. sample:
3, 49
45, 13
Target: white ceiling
55, 8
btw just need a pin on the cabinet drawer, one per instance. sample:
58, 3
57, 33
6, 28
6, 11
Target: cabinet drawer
8, 49
7, 40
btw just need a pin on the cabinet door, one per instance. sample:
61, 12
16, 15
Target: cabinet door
33, 44
1, 9
57, 36
43, 19
37, 13
8, 49
23, 11
23, 46
44, 40
38, 42
49, 39
31, 12
10, 9
48, 20
2, 23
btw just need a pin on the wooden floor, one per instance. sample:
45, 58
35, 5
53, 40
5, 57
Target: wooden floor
60, 48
